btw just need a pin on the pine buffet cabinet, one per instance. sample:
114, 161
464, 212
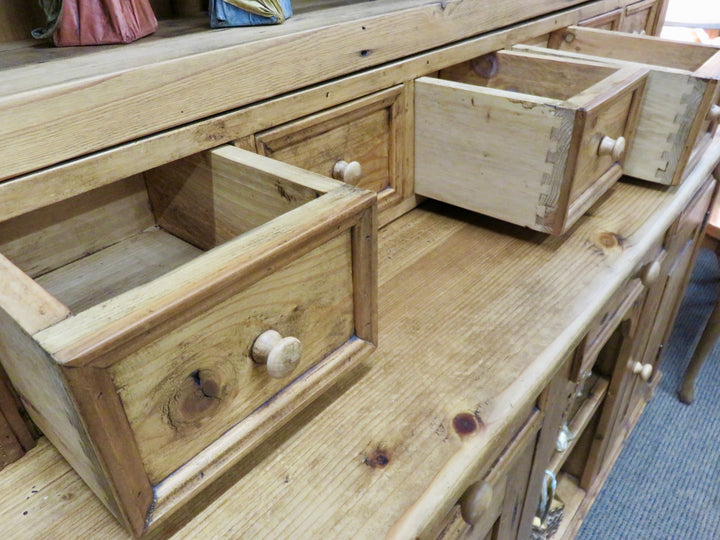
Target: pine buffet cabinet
348, 276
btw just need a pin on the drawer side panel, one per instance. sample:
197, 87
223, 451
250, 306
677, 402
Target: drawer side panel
491, 153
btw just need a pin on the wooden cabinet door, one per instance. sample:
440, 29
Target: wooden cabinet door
665, 296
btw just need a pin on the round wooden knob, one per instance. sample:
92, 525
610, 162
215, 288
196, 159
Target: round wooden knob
614, 148
714, 114
650, 273
349, 173
281, 355
476, 502
644, 370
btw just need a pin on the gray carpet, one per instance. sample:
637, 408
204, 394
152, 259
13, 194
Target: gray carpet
666, 483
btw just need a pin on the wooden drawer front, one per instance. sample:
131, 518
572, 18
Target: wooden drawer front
606, 21
605, 324
676, 109
615, 117
489, 485
360, 143
491, 506
517, 136
187, 388
686, 228
639, 17
138, 352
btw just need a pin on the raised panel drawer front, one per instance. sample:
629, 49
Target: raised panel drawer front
525, 138
160, 327
680, 108
361, 143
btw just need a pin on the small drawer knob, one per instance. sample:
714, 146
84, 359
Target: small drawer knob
349, 173
476, 502
644, 370
614, 148
279, 354
650, 273
714, 114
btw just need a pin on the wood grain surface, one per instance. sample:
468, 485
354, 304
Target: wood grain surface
172, 420
678, 93
118, 94
386, 425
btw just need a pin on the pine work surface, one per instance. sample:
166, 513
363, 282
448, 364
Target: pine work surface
474, 316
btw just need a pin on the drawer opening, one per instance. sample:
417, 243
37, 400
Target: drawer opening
91, 247
632, 48
539, 76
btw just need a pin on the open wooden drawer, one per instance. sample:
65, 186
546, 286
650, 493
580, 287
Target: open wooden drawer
680, 109
142, 322
525, 138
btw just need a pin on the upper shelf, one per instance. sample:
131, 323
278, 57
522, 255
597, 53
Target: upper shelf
57, 104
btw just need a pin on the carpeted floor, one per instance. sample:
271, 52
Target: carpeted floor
666, 483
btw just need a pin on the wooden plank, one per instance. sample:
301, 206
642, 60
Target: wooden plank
70, 229
365, 276
99, 406
553, 403
42, 496
606, 21
13, 411
573, 496
10, 448
635, 48
50, 404
538, 75
119, 268
458, 474
88, 97
210, 198
27, 302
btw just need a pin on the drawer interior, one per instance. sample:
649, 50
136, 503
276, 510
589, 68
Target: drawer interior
535, 75
632, 48
89, 248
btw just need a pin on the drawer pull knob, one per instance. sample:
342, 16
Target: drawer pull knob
714, 114
349, 173
614, 148
281, 355
476, 502
644, 370
650, 273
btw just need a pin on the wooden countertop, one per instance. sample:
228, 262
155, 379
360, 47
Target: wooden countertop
475, 316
